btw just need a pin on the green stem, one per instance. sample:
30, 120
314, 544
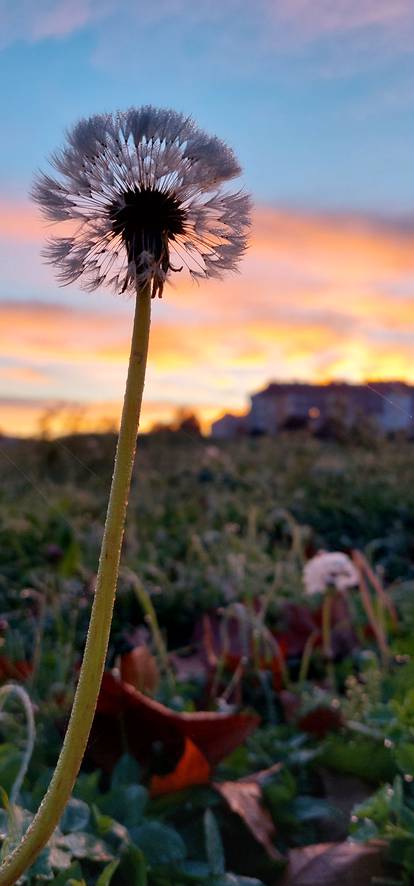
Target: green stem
151, 617
90, 677
327, 636
307, 656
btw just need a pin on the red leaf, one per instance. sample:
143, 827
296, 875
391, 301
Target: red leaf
192, 769
14, 670
128, 720
320, 721
327, 864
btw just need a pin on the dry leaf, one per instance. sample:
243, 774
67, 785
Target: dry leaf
244, 797
330, 864
139, 668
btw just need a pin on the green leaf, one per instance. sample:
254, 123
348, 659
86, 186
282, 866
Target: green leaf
126, 803
106, 876
75, 817
363, 757
214, 845
160, 844
404, 756
132, 869
312, 809
72, 873
116, 835
126, 771
87, 787
10, 759
196, 871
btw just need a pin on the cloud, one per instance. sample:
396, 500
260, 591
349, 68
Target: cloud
29, 21
317, 18
287, 23
319, 296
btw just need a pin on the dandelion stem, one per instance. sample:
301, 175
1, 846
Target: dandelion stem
327, 636
84, 705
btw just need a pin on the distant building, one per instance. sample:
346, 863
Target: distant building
389, 405
229, 426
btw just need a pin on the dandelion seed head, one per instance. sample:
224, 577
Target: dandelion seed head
329, 569
144, 189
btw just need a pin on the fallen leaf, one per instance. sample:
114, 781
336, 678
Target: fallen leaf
244, 797
192, 769
126, 719
14, 670
327, 864
139, 668
320, 721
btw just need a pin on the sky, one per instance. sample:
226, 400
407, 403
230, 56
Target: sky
317, 100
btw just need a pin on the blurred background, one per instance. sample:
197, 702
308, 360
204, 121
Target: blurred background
316, 98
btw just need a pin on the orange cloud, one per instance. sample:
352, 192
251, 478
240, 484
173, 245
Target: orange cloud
20, 222
318, 297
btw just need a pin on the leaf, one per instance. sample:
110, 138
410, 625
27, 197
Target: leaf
126, 804
14, 670
312, 808
10, 759
75, 817
244, 797
404, 756
132, 869
320, 721
125, 771
71, 873
139, 668
192, 769
237, 880
116, 835
214, 845
59, 859
328, 864
86, 787
106, 876
85, 846
160, 844
126, 715
363, 757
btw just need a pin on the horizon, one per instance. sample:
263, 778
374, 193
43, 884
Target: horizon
54, 419
316, 103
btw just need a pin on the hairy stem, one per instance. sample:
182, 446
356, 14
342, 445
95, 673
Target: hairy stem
84, 704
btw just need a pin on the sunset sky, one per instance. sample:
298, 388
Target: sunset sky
317, 99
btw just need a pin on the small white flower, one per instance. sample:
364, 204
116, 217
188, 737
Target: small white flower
329, 570
144, 187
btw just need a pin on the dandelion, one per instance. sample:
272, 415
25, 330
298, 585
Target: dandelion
329, 570
142, 193
144, 189
326, 573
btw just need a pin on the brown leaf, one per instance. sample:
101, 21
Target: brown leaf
139, 668
244, 797
330, 864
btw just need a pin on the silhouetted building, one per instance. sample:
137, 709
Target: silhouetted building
387, 405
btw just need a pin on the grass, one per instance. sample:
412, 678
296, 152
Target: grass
216, 539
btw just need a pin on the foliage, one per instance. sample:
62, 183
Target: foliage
211, 594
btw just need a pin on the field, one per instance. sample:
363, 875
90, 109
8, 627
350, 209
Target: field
285, 720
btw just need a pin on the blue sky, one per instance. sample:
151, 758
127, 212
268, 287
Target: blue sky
316, 98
